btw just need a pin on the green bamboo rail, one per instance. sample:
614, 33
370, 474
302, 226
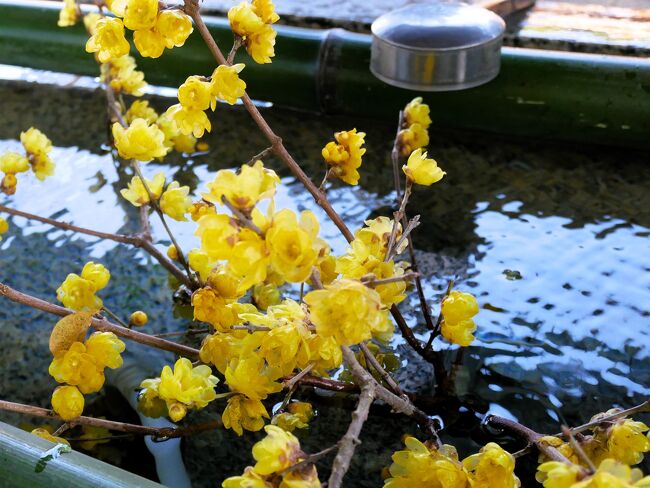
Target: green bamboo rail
20, 452
539, 94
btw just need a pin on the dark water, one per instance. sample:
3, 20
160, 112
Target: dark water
553, 240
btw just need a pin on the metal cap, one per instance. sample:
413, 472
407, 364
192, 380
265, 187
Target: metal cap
437, 46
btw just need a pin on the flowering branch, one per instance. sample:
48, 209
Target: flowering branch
99, 324
156, 432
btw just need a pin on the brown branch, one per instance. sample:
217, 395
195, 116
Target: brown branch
261, 155
372, 282
138, 240
349, 441
236, 44
101, 325
243, 218
641, 408
528, 435
399, 404
575, 447
372, 360
158, 432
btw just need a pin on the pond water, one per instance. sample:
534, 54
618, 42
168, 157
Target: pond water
553, 240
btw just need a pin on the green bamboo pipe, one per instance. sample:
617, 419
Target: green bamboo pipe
20, 451
539, 94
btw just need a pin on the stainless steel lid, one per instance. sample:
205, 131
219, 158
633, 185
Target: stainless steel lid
437, 46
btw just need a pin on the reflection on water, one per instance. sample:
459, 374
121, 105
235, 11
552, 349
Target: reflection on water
552, 240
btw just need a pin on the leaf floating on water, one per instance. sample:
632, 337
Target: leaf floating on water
50, 455
512, 274
68, 330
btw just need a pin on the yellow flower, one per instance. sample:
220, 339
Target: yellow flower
626, 442
90, 21
285, 347
461, 333
422, 170
277, 451
417, 112
249, 376
250, 479
4, 227
218, 234
459, 306
325, 352
243, 190
195, 94
140, 14
218, 348
97, 273
78, 368
69, 14
78, 294
139, 141
149, 402
35, 142
174, 26
292, 245
140, 109
226, 84
301, 478
118, 7
8, 184
555, 474
108, 41
106, 348
265, 295
297, 416
191, 386
265, 11
149, 43
260, 44
214, 309
613, 474
243, 413
138, 318
175, 202
243, 19
413, 137
43, 167
492, 467
190, 122
13, 162
44, 434
418, 466
123, 77
136, 193
346, 310
67, 402
344, 156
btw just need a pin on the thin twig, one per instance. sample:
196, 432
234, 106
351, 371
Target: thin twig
101, 325
372, 360
133, 240
291, 383
243, 218
115, 317
349, 441
236, 44
373, 282
157, 432
183, 333
251, 328
575, 446
261, 155
310, 459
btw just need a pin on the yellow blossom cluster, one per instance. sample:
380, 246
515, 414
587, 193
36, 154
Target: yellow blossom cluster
458, 308
366, 258
140, 140
423, 465
296, 416
154, 30
613, 448
198, 94
177, 391
79, 292
37, 157
79, 363
415, 133
174, 201
274, 455
252, 22
123, 77
344, 155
